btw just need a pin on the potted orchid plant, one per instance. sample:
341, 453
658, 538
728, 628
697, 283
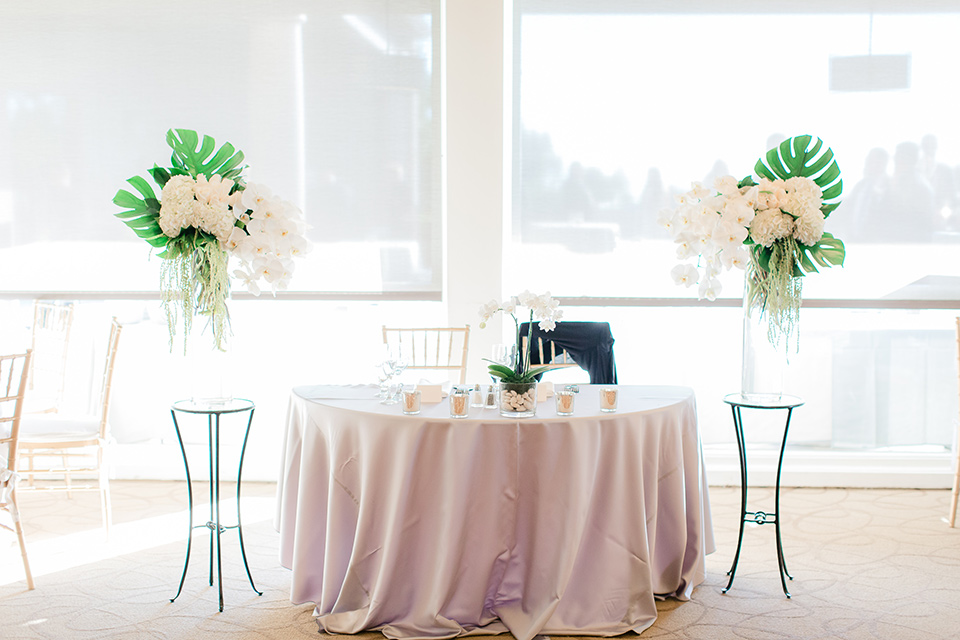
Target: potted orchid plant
518, 384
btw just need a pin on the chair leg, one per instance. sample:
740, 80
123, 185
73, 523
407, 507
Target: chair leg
15, 513
106, 511
66, 477
29, 458
956, 492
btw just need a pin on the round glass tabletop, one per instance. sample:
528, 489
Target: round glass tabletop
763, 402
213, 405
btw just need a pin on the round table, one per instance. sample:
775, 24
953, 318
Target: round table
427, 525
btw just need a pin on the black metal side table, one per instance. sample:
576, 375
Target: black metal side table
213, 410
738, 402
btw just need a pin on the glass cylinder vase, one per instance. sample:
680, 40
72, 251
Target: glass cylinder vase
764, 364
518, 399
211, 376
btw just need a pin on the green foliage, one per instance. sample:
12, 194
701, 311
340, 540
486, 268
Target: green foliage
189, 158
802, 157
506, 374
141, 214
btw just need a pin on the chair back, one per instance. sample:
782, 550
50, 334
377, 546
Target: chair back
547, 353
437, 348
14, 373
588, 345
107, 381
50, 339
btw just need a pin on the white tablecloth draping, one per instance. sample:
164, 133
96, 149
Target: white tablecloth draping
425, 526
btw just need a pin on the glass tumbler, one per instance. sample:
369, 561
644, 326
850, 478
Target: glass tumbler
459, 403
564, 400
608, 399
411, 402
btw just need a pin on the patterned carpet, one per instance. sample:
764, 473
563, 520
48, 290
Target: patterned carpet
869, 564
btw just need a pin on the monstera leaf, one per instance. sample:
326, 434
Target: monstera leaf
190, 158
802, 156
142, 214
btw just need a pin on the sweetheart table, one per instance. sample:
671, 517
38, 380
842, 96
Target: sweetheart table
424, 526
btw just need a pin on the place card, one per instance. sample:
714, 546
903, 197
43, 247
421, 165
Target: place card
430, 393
544, 391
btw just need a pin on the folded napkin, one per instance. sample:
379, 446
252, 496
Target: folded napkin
337, 391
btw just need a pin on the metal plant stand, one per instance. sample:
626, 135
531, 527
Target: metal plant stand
213, 410
738, 402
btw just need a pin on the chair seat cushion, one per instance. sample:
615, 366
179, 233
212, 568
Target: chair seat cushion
54, 426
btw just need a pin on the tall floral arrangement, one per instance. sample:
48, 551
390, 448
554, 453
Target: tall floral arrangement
771, 225
542, 308
205, 214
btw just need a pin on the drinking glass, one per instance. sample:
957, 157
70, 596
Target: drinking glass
391, 367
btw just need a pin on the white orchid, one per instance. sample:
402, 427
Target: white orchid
710, 288
685, 274
542, 308
249, 280
273, 233
487, 311
255, 195
713, 225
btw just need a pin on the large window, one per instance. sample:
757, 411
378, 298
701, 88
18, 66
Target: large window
335, 105
619, 106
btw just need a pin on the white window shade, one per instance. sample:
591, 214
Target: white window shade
619, 106
334, 104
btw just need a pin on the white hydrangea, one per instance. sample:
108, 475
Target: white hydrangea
808, 228
214, 217
177, 205
769, 226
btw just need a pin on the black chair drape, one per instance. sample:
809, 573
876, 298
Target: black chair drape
590, 344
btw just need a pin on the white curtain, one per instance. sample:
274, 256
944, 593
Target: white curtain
335, 105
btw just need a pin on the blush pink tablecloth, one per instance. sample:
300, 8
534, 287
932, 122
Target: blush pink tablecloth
428, 527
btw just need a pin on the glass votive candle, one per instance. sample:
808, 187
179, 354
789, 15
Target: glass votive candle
459, 404
411, 402
608, 399
564, 400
